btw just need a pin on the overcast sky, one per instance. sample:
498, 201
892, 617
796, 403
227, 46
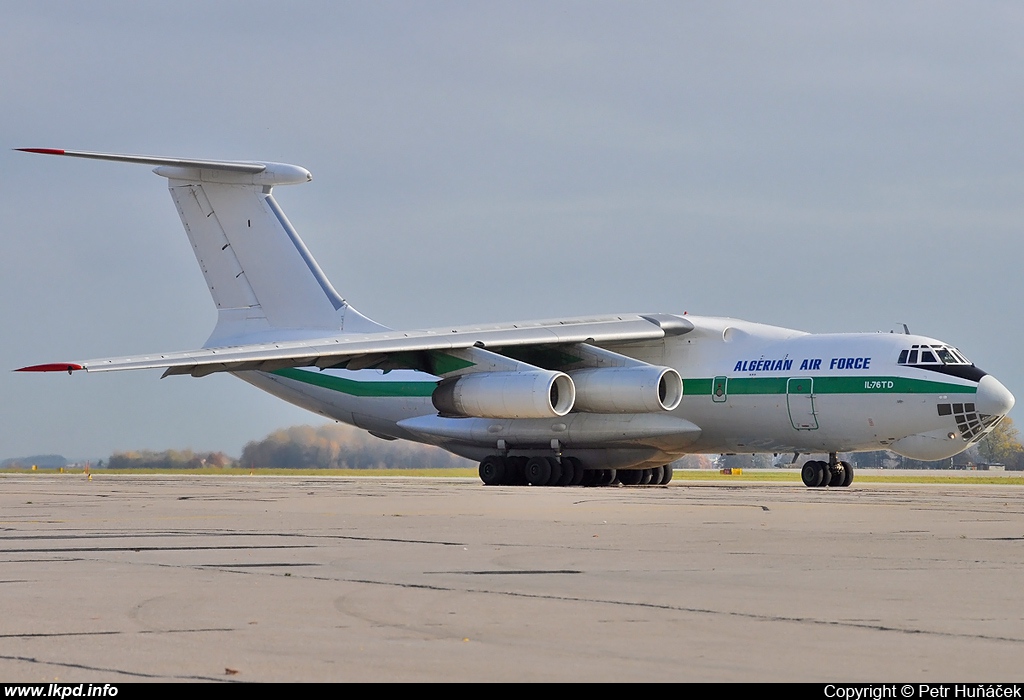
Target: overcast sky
821, 166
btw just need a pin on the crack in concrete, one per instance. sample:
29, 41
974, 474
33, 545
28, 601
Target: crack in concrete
155, 549
100, 633
132, 674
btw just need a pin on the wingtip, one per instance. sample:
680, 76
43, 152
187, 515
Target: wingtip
68, 367
47, 151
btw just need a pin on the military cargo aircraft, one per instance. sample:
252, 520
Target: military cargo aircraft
567, 401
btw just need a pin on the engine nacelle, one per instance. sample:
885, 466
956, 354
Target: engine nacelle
539, 394
627, 389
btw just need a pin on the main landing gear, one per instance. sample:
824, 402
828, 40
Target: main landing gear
565, 471
830, 473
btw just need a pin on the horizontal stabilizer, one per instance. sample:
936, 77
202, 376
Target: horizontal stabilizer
227, 165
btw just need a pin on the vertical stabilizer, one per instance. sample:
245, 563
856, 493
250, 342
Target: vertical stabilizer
259, 272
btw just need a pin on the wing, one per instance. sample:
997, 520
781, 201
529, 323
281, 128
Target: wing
358, 351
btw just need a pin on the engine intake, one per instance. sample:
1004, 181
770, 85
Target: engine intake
627, 389
540, 394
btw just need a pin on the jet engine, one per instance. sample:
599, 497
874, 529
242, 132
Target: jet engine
539, 394
644, 389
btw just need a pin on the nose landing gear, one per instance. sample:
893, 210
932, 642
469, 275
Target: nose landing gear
831, 473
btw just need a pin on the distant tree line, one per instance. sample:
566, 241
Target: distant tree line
338, 446
697, 462
168, 459
41, 461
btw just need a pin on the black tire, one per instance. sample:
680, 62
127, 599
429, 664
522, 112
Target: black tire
568, 472
631, 477
666, 475
556, 471
538, 471
826, 474
578, 472
811, 474
515, 471
607, 477
657, 474
836, 476
492, 471
847, 474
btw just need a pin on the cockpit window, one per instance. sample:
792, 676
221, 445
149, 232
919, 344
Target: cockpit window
932, 355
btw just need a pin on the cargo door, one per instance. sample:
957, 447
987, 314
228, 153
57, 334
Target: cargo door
800, 399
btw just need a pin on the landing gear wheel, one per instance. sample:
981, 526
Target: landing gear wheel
811, 474
556, 471
568, 472
645, 477
607, 477
657, 474
515, 471
492, 471
578, 472
666, 474
631, 477
538, 471
826, 474
847, 474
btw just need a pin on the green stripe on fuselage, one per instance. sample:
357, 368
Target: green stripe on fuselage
357, 388
830, 385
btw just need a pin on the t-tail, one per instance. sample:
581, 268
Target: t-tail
263, 280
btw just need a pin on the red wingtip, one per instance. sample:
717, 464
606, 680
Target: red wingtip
47, 151
52, 367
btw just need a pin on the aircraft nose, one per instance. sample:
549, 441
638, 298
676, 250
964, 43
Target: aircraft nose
993, 398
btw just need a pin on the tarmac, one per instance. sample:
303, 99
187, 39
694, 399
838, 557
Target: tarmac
189, 578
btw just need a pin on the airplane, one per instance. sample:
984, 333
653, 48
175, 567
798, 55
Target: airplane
595, 401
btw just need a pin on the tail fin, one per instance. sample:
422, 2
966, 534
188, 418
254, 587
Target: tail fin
261, 276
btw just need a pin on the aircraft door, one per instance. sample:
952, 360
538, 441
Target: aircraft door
800, 399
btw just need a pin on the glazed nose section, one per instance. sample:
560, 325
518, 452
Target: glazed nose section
993, 398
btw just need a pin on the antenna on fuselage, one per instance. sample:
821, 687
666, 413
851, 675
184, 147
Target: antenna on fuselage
905, 329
